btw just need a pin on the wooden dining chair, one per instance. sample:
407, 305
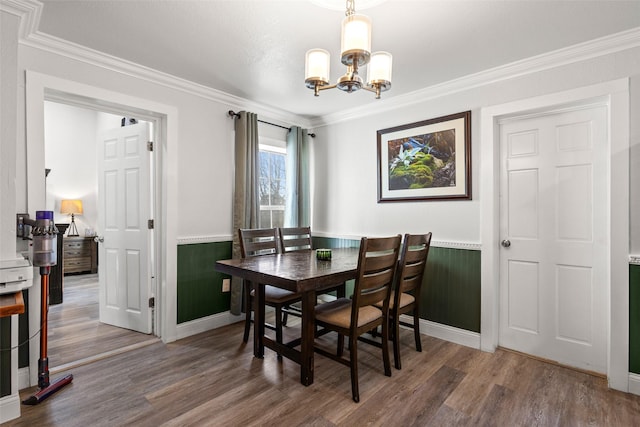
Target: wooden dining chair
377, 262
257, 242
295, 239
405, 297
300, 239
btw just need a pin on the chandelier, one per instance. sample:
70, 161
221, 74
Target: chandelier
355, 53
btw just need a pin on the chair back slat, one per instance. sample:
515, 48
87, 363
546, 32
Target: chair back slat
377, 263
295, 239
413, 260
258, 241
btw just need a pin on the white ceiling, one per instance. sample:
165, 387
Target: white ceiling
255, 49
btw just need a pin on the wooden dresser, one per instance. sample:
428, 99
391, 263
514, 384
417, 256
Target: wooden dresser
80, 255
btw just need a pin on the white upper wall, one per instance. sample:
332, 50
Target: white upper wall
345, 156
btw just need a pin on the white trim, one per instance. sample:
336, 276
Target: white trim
447, 333
634, 259
23, 378
9, 407
30, 36
617, 94
205, 324
624, 40
188, 240
37, 85
634, 384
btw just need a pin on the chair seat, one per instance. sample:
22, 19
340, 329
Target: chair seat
405, 300
277, 295
338, 313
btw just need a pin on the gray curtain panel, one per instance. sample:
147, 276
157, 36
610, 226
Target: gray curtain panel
246, 203
297, 210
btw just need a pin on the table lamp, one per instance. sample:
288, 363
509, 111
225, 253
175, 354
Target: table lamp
72, 207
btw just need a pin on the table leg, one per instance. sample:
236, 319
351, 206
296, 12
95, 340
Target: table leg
308, 337
258, 322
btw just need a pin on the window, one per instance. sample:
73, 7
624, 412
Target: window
273, 183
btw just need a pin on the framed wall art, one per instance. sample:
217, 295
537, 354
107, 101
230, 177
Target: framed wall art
427, 160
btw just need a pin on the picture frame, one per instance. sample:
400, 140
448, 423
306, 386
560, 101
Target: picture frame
426, 160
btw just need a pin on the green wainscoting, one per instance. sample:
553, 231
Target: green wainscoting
634, 318
451, 288
199, 284
5, 356
451, 293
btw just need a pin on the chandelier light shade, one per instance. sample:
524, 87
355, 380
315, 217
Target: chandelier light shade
379, 72
356, 40
317, 67
355, 52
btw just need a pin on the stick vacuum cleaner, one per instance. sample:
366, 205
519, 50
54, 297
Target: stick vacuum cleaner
44, 256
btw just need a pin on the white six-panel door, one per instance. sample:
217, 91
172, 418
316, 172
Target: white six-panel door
124, 208
553, 286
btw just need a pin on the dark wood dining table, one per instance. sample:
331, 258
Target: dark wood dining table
301, 272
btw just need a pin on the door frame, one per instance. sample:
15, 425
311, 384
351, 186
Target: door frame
41, 87
615, 95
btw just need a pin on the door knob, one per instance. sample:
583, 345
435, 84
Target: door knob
98, 239
505, 243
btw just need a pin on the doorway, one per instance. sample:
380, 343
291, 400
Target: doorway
74, 154
553, 192
615, 96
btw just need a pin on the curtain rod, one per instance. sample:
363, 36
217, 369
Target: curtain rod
233, 114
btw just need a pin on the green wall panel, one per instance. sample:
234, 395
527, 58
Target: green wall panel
199, 284
634, 318
5, 356
451, 288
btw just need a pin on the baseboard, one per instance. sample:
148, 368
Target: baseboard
204, 324
448, 333
9, 408
23, 378
634, 384
437, 330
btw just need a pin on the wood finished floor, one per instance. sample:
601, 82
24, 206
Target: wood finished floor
212, 379
75, 333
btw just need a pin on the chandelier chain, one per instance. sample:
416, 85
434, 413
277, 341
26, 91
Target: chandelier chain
351, 8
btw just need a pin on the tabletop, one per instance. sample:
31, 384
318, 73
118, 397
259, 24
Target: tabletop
298, 271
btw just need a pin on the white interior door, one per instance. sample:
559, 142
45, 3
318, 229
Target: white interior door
124, 209
554, 226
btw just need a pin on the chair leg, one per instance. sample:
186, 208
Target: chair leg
416, 329
395, 339
285, 317
353, 364
279, 324
385, 347
340, 350
248, 308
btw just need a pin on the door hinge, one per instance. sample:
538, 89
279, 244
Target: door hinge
150, 146
152, 302
150, 224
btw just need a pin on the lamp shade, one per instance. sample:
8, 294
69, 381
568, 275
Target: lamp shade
379, 68
316, 67
71, 207
356, 39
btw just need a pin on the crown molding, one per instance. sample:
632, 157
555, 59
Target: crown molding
30, 11
580, 52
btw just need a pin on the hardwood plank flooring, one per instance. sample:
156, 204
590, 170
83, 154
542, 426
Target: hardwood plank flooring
212, 379
76, 335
